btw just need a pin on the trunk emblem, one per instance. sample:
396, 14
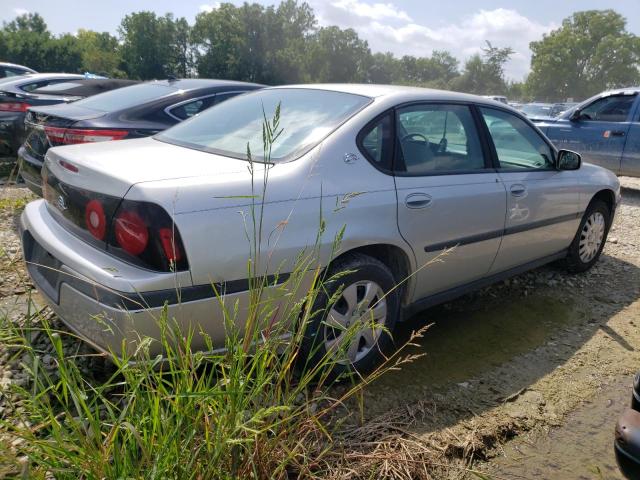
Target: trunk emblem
62, 203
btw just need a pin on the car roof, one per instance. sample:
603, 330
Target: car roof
9, 64
83, 87
389, 91
196, 83
620, 90
30, 77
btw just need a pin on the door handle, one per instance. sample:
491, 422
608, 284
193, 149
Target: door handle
418, 200
518, 190
617, 133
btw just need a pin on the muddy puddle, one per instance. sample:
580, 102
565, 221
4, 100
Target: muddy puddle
466, 339
581, 449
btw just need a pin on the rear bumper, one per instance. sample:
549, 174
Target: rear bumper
83, 286
30, 171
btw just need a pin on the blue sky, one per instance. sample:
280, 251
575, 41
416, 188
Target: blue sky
401, 26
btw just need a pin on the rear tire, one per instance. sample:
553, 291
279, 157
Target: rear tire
586, 248
368, 295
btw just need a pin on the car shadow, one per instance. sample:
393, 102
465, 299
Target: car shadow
490, 346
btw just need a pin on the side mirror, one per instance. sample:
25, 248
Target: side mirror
568, 160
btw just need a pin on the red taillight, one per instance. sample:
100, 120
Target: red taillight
69, 166
169, 245
14, 107
95, 219
71, 136
131, 232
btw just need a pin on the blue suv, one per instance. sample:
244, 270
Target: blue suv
605, 129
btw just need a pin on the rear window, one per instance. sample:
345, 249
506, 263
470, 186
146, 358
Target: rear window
125, 97
56, 87
544, 110
307, 117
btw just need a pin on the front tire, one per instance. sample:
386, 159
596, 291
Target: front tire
353, 332
586, 248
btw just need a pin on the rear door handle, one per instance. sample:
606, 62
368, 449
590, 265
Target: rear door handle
518, 190
418, 200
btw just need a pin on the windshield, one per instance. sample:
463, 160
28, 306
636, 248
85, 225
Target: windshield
542, 110
307, 116
125, 97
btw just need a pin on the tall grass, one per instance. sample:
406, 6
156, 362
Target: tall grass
254, 410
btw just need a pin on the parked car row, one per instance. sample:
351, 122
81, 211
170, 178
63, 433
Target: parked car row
133, 112
16, 97
128, 226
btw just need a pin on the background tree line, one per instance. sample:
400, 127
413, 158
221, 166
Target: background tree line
590, 52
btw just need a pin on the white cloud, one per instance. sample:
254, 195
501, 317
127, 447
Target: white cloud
20, 11
387, 28
375, 11
209, 7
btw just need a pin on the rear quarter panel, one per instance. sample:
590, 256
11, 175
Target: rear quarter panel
318, 192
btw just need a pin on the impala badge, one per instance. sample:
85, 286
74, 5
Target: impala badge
350, 158
62, 202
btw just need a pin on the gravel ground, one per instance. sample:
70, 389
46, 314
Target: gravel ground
515, 360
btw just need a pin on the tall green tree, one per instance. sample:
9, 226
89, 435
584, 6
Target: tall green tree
151, 45
384, 68
484, 74
26, 40
339, 56
255, 43
64, 54
592, 51
100, 53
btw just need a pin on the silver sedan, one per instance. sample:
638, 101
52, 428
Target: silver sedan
411, 173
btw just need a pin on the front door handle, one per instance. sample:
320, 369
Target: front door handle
518, 190
617, 133
418, 200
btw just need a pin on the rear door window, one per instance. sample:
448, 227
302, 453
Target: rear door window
437, 138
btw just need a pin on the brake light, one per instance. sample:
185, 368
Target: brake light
14, 107
95, 219
171, 250
131, 232
71, 136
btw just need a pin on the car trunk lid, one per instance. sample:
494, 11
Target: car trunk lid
36, 141
111, 168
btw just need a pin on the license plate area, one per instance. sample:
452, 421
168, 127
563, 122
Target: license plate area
43, 267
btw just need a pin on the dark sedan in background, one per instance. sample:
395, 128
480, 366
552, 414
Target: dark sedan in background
133, 112
12, 69
16, 97
78, 89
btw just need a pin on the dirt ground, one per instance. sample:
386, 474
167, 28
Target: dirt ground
524, 379
529, 376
